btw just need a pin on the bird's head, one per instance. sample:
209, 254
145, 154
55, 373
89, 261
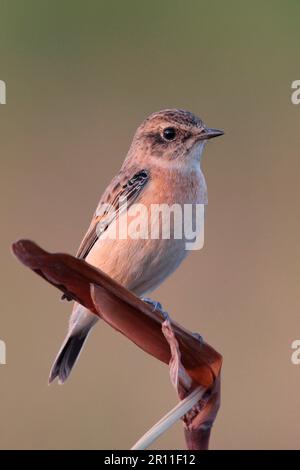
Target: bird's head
173, 135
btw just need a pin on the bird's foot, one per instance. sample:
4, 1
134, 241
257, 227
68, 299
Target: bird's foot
157, 307
67, 296
198, 337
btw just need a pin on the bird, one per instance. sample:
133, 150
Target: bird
162, 166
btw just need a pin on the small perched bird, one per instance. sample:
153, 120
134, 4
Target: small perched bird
161, 167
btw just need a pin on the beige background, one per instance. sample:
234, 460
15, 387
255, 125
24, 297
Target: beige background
80, 77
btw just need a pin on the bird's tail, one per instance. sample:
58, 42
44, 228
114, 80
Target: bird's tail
71, 348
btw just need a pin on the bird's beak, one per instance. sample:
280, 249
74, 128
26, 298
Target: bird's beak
207, 133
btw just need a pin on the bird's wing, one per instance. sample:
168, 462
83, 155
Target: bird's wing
120, 194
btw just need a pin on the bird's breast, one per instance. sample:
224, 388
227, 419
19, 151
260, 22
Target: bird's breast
149, 241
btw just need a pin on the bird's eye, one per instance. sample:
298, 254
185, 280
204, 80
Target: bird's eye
169, 133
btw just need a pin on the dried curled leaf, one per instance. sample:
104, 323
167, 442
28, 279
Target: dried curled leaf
192, 362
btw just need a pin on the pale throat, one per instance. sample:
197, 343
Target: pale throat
191, 161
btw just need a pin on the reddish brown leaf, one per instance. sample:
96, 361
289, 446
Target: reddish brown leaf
135, 319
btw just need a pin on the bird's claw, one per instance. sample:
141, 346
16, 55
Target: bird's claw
157, 307
67, 296
198, 337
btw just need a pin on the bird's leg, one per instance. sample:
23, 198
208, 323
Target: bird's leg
157, 306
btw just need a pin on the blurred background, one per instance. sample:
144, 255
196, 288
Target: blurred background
81, 76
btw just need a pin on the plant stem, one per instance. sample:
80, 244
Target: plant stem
169, 419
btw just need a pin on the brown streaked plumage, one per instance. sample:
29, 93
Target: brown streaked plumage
162, 167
